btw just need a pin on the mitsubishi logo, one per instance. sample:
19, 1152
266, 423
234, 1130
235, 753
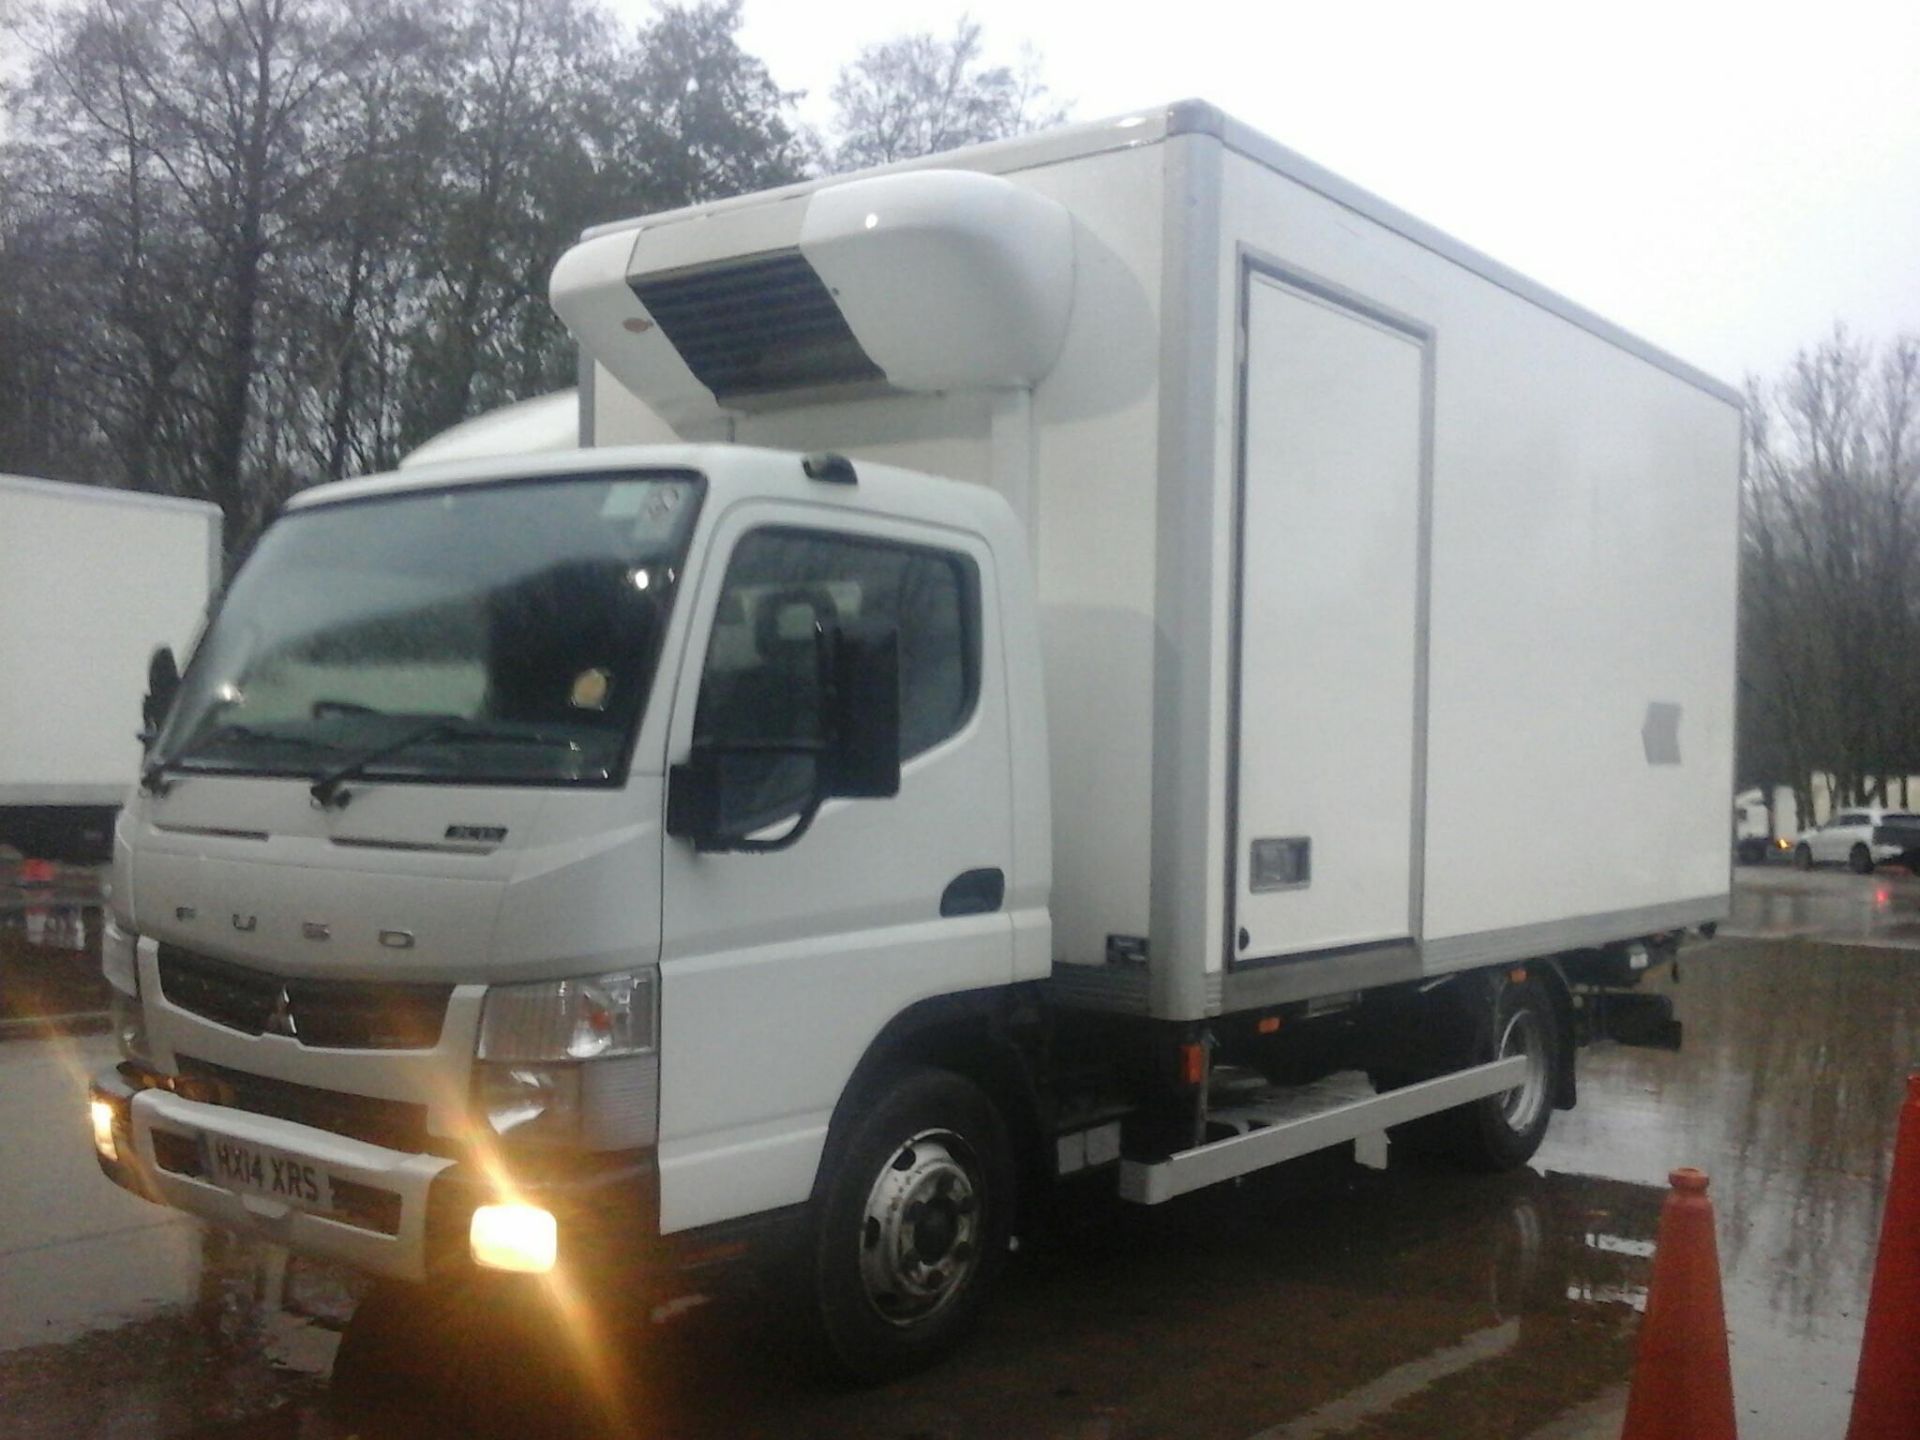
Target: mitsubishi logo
280, 1022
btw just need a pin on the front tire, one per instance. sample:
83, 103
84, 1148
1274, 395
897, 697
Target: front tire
1803, 857
1860, 860
913, 1223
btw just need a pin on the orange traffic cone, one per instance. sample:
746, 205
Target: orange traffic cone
1886, 1393
1682, 1384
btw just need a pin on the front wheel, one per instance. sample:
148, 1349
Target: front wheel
1860, 860
913, 1224
1803, 857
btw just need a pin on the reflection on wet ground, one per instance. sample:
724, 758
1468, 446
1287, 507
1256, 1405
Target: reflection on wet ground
1324, 1302
1774, 902
1786, 1093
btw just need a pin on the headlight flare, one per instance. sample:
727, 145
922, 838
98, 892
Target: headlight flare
104, 1139
570, 1026
596, 1361
523, 1239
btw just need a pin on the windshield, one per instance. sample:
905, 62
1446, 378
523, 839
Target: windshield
524, 616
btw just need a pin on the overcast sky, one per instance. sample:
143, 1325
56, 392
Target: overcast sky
1724, 180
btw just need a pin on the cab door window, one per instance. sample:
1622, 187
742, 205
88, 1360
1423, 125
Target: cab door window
785, 592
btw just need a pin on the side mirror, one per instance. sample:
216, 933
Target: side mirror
163, 687
693, 799
862, 758
857, 757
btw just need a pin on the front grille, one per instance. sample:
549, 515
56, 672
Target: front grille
394, 1124
757, 326
328, 1014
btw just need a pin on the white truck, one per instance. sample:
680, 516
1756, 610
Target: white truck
92, 580
1055, 664
1764, 823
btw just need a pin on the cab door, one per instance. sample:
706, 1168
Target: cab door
779, 968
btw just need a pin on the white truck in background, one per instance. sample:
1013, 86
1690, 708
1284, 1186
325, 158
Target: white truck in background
1765, 823
1052, 665
92, 581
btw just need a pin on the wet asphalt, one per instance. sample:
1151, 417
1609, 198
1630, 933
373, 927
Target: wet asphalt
1323, 1302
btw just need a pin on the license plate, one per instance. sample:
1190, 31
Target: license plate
260, 1171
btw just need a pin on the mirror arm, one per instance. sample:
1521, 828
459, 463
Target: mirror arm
801, 825
721, 844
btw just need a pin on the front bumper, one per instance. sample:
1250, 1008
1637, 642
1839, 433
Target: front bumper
394, 1213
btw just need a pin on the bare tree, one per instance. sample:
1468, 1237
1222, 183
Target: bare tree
250, 244
1830, 606
919, 94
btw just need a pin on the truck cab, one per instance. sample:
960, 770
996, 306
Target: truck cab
400, 874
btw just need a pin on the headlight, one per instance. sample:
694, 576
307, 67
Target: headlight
529, 1102
571, 1062
571, 1019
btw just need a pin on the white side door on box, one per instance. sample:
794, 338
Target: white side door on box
1325, 811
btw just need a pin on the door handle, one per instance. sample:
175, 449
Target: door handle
974, 892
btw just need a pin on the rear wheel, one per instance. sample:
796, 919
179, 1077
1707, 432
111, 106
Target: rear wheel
1860, 860
1502, 1131
1803, 857
913, 1224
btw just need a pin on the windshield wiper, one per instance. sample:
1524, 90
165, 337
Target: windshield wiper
326, 788
234, 730
153, 779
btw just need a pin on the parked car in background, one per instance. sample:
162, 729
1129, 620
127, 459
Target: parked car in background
1860, 838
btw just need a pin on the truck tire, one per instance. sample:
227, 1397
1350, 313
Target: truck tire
912, 1224
1803, 857
1860, 860
1502, 1131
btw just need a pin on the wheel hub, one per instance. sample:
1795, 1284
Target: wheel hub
920, 1232
1522, 1036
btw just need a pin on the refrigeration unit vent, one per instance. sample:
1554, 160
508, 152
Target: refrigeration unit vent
762, 325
